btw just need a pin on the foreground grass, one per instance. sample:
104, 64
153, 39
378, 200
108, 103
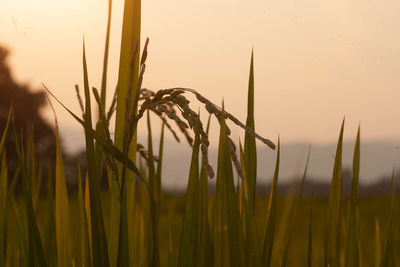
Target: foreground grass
371, 210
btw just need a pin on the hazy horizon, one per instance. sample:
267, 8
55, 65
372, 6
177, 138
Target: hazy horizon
378, 157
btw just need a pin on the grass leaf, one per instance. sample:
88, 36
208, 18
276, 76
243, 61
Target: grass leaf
389, 242
82, 248
99, 242
36, 255
252, 243
5, 131
3, 209
352, 240
189, 235
378, 246
159, 166
204, 255
171, 248
50, 233
310, 235
250, 152
272, 208
228, 224
3, 194
155, 202
62, 211
334, 207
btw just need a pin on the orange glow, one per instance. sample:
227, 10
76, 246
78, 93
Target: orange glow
315, 61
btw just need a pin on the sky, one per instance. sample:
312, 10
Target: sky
316, 62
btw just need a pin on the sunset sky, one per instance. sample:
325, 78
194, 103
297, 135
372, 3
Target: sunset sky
315, 61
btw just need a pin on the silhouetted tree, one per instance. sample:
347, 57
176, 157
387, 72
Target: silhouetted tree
27, 117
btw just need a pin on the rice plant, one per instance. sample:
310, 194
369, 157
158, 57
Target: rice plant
128, 224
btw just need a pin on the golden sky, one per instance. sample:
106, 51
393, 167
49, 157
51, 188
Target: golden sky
315, 61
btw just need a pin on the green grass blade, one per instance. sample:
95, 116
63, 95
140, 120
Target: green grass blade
387, 256
232, 222
30, 162
106, 49
378, 246
204, 255
36, 255
130, 41
115, 210
392, 191
220, 227
189, 235
22, 239
82, 250
3, 194
123, 240
272, 208
358, 236
356, 172
303, 178
99, 242
155, 202
62, 211
310, 246
159, 165
128, 80
389, 242
37, 188
89, 217
3, 209
285, 256
334, 207
151, 161
143, 215
100, 124
50, 233
114, 187
352, 242
159, 190
290, 215
253, 246
250, 152
171, 248
5, 131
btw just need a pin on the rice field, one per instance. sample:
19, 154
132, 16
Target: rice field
135, 223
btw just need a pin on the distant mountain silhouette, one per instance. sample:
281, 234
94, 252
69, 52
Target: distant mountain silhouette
378, 157
377, 161
321, 188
